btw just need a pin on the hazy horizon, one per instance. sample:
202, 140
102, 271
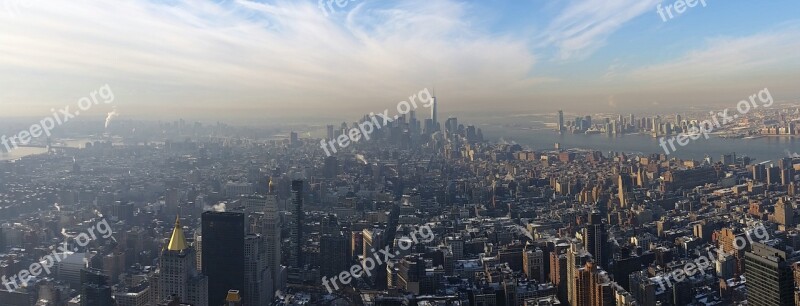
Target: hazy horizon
287, 59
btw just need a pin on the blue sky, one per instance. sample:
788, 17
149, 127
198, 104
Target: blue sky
291, 59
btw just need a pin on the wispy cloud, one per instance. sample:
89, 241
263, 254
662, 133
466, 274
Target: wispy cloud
283, 55
771, 53
584, 26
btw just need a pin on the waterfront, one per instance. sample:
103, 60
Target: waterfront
762, 149
27, 151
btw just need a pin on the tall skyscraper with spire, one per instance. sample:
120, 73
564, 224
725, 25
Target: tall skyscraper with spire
434, 105
271, 230
177, 272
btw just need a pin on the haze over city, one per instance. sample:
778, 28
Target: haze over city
293, 59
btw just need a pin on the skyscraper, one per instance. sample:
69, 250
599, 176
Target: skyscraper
533, 262
434, 105
331, 167
257, 278
784, 213
296, 259
331, 134
335, 248
560, 122
178, 275
595, 239
451, 126
624, 187
223, 254
769, 277
271, 230
577, 293
760, 173
294, 141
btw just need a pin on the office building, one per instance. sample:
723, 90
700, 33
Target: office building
595, 237
177, 273
95, 288
533, 263
296, 259
271, 231
624, 186
139, 295
784, 213
223, 253
257, 279
334, 247
769, 277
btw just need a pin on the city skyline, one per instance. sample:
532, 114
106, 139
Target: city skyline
399, 153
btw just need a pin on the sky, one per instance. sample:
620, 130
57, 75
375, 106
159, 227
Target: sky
291, 60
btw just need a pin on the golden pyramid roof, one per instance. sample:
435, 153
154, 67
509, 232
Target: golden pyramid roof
178, 240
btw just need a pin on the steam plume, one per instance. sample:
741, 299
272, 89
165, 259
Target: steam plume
113, 114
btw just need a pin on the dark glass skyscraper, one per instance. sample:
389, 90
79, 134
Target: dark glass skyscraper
595, 235
95, 288
223, 253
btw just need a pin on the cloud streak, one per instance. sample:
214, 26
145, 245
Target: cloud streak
583, 27
284, 55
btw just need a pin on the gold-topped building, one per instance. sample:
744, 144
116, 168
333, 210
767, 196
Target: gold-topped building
178, 240
177, 274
